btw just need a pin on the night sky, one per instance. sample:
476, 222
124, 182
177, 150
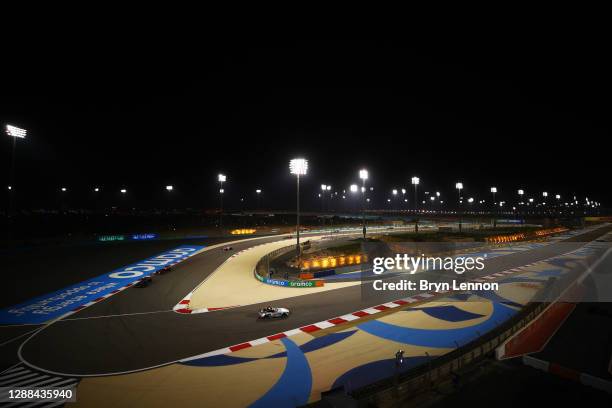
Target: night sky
149, 114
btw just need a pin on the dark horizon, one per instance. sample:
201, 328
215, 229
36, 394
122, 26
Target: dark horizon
510, 117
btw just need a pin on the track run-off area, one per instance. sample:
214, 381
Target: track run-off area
134, 340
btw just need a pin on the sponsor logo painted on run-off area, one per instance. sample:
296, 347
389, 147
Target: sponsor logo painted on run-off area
56, 304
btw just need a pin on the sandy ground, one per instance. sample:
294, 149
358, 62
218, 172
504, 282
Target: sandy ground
233, 283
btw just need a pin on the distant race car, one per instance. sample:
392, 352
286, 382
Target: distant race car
273, 312
144, 282
163, 270
227, 248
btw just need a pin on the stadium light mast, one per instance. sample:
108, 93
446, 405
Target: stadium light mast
415, 182
258, 193
299, 167
16, 133
459, 187
363, 175
221, 178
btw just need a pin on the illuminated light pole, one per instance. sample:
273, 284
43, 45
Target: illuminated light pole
322, 195
520, 193
415, 182
299, 167
363, 175
16, 133
459, 187
258, 193
221, 178
493, 191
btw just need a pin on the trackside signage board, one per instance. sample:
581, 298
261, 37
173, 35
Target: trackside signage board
290, 284
53, 305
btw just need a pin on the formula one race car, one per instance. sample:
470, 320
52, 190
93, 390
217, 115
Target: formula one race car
144, 282
273, 312
163, 270
227, 248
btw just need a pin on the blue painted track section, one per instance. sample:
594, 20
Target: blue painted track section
293, 387
440, 338
53, 305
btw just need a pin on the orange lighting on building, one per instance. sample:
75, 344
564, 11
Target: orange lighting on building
329, 262
244, 231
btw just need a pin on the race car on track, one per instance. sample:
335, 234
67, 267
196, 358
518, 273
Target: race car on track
163, 270
227, 248
273, 312
144, 282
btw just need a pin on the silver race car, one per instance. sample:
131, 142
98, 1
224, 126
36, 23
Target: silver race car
273, 312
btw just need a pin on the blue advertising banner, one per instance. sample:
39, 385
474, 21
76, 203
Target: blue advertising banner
53, 305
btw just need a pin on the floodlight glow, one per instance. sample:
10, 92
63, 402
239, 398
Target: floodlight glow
558, 197
96, 189
459, 186
64, 189
394, 192
221, 178
354, 188
14, 131
415, 181
437, 194
494, 189
470, 200
328, 188
221, 190
545, 194
323, 187
363, 174
169, 188
432, 198
10, 187
298, 167
403, 191
521, 192
123, 191
531, 200
258, 191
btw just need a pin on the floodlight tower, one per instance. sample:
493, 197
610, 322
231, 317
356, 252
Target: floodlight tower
299, 167
258, 193
459, 187
363, 175
16, 133
221, 178
415, 182
493, 191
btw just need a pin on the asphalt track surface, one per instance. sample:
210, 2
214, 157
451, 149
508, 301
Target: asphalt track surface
136, 329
